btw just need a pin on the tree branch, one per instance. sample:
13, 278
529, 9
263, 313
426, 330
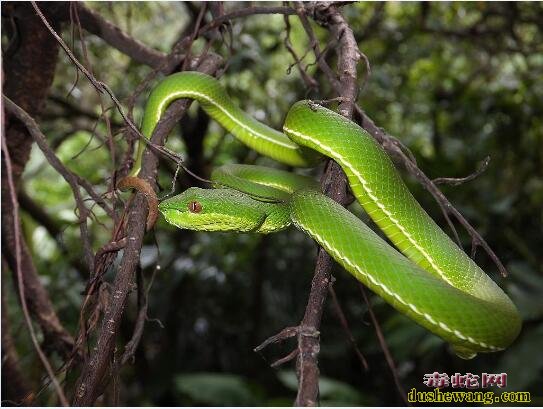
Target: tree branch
40, 215
20, 275
17, 387
334, 185
91, 380
402, 155
244, 12
384, 346
73, 180
29, 73
94, 23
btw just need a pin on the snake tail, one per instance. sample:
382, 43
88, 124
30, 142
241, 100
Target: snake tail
470, 324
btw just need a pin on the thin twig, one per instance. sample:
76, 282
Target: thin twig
143, 301
310, 82
459, 181
115, 37
111, 145
477, 239
314, 44
17, 233
347, 329
244, 12
194, 35
99, 85
384, 346
55, 162
287, 358
286, 333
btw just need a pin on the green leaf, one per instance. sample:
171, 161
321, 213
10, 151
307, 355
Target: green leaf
217, 389
332, 392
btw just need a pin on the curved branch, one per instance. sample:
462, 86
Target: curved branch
73, 180
20, 275
91, 381
94, 23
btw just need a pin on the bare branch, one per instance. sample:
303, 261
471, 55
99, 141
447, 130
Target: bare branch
244, 12
99, 85
346, 328
334, 184
72, 179
477, 239
91, 380
18, 389
384, 346
114, 36
19, 272
459, 181
27, 78
310, 82
143, 298
53, 227
314, 44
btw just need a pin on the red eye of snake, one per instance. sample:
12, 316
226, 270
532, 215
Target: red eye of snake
195, 207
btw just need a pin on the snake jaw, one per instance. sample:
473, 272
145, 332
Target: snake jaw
208, 222
214, 210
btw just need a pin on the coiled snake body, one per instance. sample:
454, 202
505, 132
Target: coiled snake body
435, 283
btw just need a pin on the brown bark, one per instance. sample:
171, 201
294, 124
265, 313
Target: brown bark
111, 34
94, 376
14, 385
334, 184
28, 75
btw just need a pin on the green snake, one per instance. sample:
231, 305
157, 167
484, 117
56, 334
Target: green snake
434, 282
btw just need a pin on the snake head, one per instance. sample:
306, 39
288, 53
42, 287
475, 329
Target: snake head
213, 210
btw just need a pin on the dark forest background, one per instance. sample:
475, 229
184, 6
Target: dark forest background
456, 83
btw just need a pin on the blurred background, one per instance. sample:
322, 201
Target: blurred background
455, 82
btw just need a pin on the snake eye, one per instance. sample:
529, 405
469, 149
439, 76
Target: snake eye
195, 207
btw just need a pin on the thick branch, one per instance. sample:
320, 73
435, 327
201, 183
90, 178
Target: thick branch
400, 153
95, 369
28, 76
94, 23
334, 184
15, 386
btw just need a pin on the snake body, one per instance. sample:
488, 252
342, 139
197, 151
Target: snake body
216, 102
435, 283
